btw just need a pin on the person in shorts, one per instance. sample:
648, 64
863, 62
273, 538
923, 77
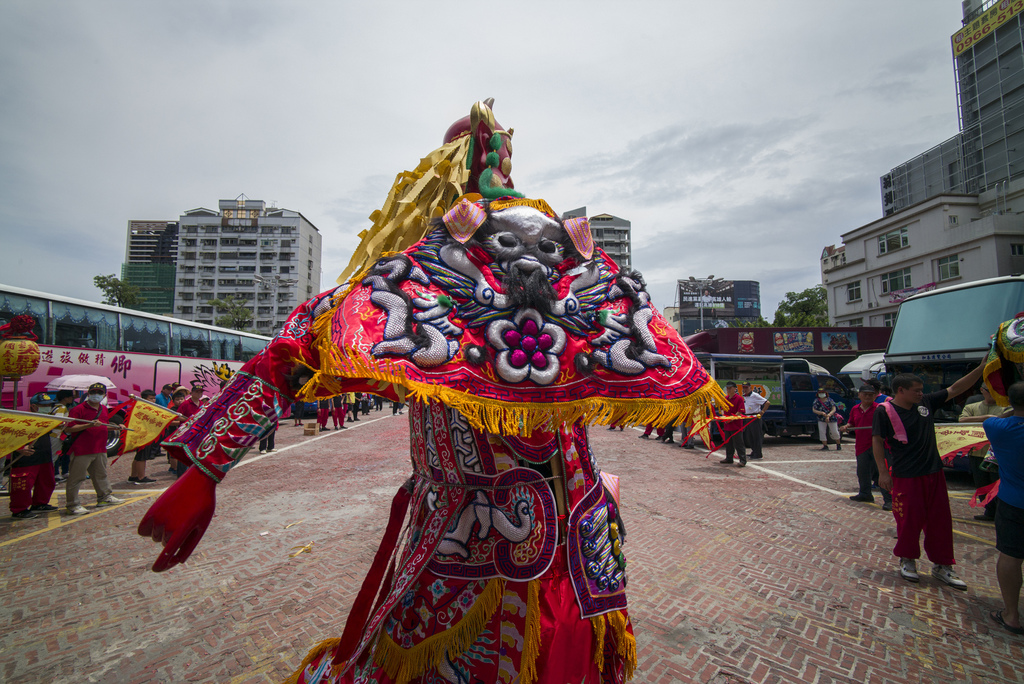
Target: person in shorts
1006, 436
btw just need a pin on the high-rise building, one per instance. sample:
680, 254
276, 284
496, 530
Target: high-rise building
266, 258
149, 258
948, 214
611, 233
988, 152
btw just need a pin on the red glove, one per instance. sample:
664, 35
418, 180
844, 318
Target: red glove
179, 517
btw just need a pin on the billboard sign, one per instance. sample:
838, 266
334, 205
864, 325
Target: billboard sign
793, 341
984, 24
715, 299
838, 341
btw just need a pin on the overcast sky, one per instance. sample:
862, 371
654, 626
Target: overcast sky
739, 138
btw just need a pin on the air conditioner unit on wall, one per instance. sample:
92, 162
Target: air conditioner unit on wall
871, 305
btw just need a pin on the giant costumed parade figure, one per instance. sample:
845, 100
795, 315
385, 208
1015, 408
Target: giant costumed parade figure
508, 333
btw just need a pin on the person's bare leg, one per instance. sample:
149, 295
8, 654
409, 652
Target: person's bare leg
138, 469
1008, 574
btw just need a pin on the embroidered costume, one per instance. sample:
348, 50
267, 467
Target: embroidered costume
508, 332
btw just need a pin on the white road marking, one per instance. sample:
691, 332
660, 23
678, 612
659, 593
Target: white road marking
794, 479
816, 460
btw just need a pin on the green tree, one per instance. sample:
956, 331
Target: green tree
116, 292
237, 314
803, 309
758, 322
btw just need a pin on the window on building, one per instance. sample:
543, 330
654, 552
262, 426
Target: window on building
894, 239
853, 291
896, 280
855, 322
185, 309
187, 296
888, 319
286, 269
1017, 250
949, 267
954, 220
187, 282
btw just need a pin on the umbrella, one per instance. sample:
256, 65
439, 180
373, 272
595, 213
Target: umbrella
78, 382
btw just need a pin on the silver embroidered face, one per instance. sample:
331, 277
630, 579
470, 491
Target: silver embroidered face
524, 238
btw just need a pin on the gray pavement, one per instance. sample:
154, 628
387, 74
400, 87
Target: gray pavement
761, 574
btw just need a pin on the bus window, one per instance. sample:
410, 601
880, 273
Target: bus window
79, 326
189, 341
12, 305
225, 346
144, 335
251, 347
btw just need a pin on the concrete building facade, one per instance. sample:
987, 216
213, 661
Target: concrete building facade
946, 240
266, 258
611, 233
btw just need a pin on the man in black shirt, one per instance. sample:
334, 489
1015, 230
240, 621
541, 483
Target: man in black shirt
920, 502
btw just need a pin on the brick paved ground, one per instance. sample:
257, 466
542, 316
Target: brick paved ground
735, 575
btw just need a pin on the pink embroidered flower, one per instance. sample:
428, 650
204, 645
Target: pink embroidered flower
528, 348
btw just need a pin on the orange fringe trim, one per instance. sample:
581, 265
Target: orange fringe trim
402, 665
531, 641
315, 652
491, 415
625, 642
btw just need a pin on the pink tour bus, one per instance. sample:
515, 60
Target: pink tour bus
132, 349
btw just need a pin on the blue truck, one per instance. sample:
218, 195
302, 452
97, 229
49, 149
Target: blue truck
790, 385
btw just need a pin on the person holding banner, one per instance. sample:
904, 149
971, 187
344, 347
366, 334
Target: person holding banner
145, 453
89, 451
32, 480
920, 502
1007, 438
732, 431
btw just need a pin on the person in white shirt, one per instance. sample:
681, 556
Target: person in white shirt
754, 405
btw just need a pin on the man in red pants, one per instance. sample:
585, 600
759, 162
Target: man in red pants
323, 413
32, 481
918, 485
338, 402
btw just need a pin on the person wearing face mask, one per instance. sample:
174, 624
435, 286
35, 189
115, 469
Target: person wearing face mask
32, 480
89, 451
828, 423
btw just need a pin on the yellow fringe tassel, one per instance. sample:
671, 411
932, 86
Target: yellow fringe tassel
491, 415
598, 624
315, 652
625, 641
531, 645
415, 198
402, 665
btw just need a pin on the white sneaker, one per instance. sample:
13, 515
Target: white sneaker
945, 573
110, 501
908, 570
78, 510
